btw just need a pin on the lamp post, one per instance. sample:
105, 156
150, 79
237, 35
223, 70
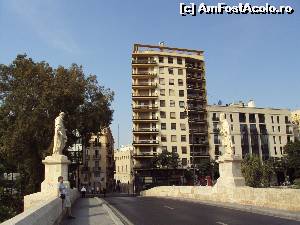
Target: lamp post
193, 153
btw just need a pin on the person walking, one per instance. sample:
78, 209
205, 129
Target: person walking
64, 194
83, 191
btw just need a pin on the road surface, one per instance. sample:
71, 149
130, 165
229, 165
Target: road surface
160, 211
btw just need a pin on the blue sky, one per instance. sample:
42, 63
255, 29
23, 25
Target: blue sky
247, 56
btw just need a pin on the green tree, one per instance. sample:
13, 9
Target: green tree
31, 96
292, 155
166, 160
268, 171
252, 170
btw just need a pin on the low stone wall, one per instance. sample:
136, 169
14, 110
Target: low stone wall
281, 199
41, 209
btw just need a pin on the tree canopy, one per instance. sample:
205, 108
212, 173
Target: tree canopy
165, 159
31, 96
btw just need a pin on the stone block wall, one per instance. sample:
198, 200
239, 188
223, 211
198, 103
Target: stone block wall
271, 198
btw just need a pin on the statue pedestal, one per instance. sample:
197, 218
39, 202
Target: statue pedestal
230, 171
55, 165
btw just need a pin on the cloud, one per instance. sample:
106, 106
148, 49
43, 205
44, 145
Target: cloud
43, 18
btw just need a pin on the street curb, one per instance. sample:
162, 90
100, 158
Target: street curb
246, 208
117, 217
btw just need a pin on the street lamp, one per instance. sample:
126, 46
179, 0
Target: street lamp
193, 153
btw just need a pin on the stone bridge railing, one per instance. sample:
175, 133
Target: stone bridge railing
41, 209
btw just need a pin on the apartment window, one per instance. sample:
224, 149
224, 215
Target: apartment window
217, 150
161, 59
170, 60
181, 104
181, 93
278, 128
183, 138
173, 126
171, 70
261, 118
162, 92
275, 150
171, 81
242, 117
172, 115
252, 118
279, 139
182, 126
179, 61
173, 138
180, 82
232, 139
162, 114
272, 119
184, 161
171, 92
164, 148
231, 126
287, 120
180, 71
278, 120
273, 128
281, 152
231, 118
274, 139
163, 138
162, 81
174, 149
161, 70
183, 150
162, 103
163, 126
182, 115
172, 103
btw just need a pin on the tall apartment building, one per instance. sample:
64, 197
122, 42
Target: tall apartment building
168, 104
98, 162
261, 131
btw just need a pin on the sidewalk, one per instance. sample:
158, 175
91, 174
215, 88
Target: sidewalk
88, 211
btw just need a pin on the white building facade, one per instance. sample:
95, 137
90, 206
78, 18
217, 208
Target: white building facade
260, 131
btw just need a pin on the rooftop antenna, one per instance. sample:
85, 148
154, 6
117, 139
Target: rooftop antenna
162, 43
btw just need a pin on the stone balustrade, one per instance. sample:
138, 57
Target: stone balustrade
41, 209
272, 198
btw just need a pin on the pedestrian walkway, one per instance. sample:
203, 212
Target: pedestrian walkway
88, 211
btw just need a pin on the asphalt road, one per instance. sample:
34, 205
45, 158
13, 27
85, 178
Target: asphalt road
160, 211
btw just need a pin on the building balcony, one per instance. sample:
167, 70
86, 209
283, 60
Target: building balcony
144, 85
142, 74
96, 157
196, 143
138, 108
144, 155
137, 119
198, 131
97, 169
141, 96
144, 62
145, 130
289, 132
216, 130
194, 67
145, 142
196, 120
195, 97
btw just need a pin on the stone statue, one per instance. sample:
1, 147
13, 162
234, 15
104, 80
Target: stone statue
296, 120
226, 136
60, 137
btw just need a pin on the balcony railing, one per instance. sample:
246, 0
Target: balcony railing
96, 156
144, 61
146, 130
145, 107
144, 118
148, 84
144, 96
198, 131
144, 73
96, 169
145, 142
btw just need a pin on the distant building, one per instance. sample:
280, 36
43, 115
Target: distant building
124, 167
261, 131
97, 170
